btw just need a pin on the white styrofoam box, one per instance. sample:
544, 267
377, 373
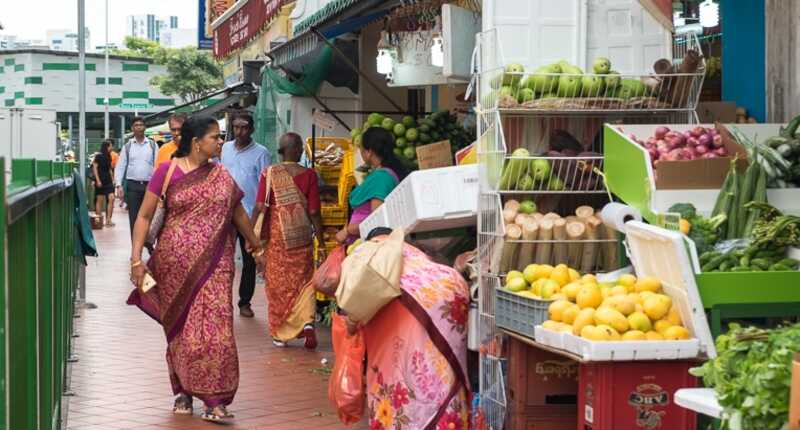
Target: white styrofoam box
429, 200
376, 219
702, 400
660, 253
549, 337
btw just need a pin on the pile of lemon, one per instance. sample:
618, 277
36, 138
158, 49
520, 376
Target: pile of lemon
629, 309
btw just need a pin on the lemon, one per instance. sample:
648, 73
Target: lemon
589, 278
557, 308
589, 296
571, 290
676, 332
661, 326
560, 274
569, 314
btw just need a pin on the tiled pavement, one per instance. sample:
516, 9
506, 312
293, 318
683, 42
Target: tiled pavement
121, 380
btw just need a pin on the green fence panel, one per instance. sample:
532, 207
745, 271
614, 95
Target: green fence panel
37, 291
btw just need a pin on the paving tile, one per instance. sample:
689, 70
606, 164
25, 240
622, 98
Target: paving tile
121, 380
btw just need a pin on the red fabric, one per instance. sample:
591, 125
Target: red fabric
306, 182
346, 386
154, 186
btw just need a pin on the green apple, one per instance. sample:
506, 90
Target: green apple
399, 130
527, 207
412, 134
529, 273
375, 119
513, 74
601, 65
526, 95
410, 153
612, 79
355, 132
388, 124
593, 86
408, 121
540, 169
569, 86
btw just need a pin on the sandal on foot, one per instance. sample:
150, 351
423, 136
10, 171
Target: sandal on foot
310, 336
218, 414
278, 344
183, 405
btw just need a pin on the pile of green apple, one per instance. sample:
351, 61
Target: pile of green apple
409, 133
560, 80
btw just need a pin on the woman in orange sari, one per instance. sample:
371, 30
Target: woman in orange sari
288, 194
193, 268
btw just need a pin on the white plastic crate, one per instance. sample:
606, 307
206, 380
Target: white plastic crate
661, 253
429, 200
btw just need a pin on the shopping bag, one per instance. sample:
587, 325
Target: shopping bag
370, 277
326, 278
346, 389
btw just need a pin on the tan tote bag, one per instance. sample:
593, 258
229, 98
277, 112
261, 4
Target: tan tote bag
371, 277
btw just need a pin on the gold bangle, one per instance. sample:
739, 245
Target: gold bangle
137, 263
258, 253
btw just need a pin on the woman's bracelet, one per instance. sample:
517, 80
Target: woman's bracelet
258, 253
136, 263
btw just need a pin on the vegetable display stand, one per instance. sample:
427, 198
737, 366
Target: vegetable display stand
542, 389
634, 395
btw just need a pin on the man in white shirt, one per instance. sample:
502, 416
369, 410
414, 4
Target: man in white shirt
245, 160
135, 168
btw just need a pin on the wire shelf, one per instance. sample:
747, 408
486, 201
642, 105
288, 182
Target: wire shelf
535, 90
493, 401
524, 175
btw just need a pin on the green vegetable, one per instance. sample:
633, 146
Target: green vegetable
741, 269
752, 375
789, 262
760, 262
515, 169
707, 256
760, 196
777, 267
714, 263
723, 192
726, 265
746, 195
733, 213
687, 210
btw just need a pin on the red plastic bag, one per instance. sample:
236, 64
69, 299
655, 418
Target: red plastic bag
346, 386
326, 278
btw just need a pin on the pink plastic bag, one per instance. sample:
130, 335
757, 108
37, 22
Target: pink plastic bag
326, 277
346, 386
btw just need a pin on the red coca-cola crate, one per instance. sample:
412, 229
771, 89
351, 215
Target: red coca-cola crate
542, 389
634, 396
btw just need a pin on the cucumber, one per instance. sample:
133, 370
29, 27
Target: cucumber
762, 263
725, 266
777, 267
707, 256
744, 261
714, 263
741, 269
789, 262
733, 212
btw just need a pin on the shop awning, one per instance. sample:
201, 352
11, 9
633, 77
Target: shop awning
337, 18
233, 94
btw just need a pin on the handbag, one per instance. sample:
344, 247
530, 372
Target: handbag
157, 222
370, 277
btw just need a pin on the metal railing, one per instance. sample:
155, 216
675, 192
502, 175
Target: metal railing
40, 268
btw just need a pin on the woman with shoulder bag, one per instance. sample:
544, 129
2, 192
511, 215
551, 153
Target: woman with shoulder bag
193, 267
288, 207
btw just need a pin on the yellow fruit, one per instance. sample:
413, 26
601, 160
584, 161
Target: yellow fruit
556, 309
516, 285
639, 308
644, 295
573, 275
635, 297
685, 226
589, 278
551, 325
589, 296
565, 328
648, 283
528, 294
536, 287
661, 326
543, 271
530, 273
657, 306
569, 314
605, 292
560, 274
585, 317
623, 304
513, 275
652, 335
571, 290
619, 290
549, 287
611, 317
609, 332
634, 335
676, 332
674, 316
639, 321
590, 332
627, 280
558, 296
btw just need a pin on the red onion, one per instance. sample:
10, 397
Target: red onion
713, 132
674, 155
716, 141
698, 131
702, 149
687, 153
652, 140
722, 152
705, 139
687, 134
654, 155
692, 141
709, 155
661, 132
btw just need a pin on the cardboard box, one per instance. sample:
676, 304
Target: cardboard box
710, 112
435, 155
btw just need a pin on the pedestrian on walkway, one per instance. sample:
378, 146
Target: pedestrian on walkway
245, 160
165, 152
416, 348
104, 182
136, 165
193, 266
288, 194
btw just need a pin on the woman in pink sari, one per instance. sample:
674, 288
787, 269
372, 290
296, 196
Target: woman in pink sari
193, 267
416, 349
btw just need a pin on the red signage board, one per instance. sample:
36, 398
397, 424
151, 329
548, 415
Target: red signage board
240, 27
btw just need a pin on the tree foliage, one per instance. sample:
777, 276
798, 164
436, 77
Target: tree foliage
191, 73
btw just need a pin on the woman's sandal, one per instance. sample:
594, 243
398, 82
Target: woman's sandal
183, 405
218, 414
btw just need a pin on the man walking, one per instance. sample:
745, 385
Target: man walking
245, 160
135, 167
165, 152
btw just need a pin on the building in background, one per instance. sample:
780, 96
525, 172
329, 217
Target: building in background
65, 40
10, 41
178, 37
49, 79
149, 26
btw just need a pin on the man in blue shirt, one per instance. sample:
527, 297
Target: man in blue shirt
137, 160
245, 160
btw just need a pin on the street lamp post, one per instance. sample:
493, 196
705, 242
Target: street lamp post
106, 99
